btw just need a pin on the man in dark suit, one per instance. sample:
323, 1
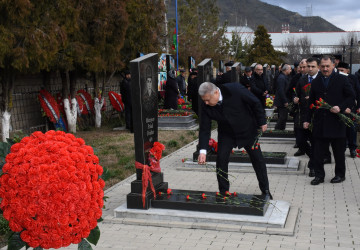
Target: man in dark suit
281, 101
239, 115
259, 86
247, 78
125, 91
222, 78
344, 68
327, 128
171, 92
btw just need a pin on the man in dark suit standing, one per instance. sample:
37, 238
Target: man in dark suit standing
125, 91
336, 90
344, 68
239, 115
247, 78
222, 78
281, 101
259, 86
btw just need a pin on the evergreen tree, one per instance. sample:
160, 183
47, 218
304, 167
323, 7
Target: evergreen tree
199, 33
262, 51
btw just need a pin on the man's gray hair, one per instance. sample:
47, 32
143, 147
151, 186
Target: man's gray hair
285, 67
207, 88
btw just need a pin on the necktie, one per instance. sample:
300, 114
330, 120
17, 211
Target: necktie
310, 79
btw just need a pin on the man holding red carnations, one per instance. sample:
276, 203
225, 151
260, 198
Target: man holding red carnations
327, 128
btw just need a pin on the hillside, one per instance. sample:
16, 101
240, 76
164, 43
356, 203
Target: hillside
255, 12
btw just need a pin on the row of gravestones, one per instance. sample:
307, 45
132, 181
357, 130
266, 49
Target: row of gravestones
145, 115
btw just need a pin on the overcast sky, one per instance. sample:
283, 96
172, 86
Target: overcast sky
344, 14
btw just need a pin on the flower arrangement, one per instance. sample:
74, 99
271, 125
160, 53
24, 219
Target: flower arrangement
321, 104
213, 145
116, 101
155, 154
181, 101
269, 101
49, 105
307, 89
167, 113
51, 191
88, 101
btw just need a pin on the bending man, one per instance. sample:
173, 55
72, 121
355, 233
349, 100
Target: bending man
239, 114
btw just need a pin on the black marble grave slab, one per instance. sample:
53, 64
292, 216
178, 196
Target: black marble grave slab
238, 156
279, 134
135, 201
244, 204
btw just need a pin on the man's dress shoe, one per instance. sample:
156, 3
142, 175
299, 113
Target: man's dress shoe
299, 152
337, 179
317, 181
267, 192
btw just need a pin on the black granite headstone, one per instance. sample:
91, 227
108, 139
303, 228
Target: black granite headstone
145, 110
205, 74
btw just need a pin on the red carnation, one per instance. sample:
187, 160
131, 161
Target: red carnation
188, 197
169, 191
227, 193
203, 195
51, 189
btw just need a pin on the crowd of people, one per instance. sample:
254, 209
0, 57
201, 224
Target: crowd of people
317, 92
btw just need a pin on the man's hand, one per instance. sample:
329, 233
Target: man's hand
286, 104
347, 111
306, 97
335, 109
265, 93
202, 159
264, 128
305, 125
296, 100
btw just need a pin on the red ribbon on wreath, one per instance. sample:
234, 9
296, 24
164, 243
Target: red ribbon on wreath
154, 158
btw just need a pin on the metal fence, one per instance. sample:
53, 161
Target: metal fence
27, 115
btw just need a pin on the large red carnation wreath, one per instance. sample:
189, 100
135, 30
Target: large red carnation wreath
49, 105
88, 102
51, 189
116, 101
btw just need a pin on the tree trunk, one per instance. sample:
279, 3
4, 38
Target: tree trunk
71, 114
6, 76
98, 105
5, 122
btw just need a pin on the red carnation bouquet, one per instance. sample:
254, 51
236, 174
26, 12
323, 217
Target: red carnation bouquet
213, 145
51, 191
307, 89
181, 101
321, 104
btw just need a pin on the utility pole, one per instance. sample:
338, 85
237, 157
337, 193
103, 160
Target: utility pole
166, 30
177, 37
351, 49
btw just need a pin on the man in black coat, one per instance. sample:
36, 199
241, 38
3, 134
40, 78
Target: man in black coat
180, 79
259, 85
125, 91
193, 91
281, 101
239, 115
247, 78
351, 134
327, 128
222, 78
171, 92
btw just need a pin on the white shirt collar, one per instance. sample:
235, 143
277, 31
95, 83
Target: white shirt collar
220, 96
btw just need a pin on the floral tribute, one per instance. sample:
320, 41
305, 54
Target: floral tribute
168, 113
88, 102
269, 101
49, 105
213, 145
307, 89
155, 154
321, 104
51, 190
180, 101
116, 101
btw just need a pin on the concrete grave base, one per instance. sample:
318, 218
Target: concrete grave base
280, 218
292, 165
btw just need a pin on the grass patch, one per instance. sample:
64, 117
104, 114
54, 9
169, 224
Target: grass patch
116, 149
